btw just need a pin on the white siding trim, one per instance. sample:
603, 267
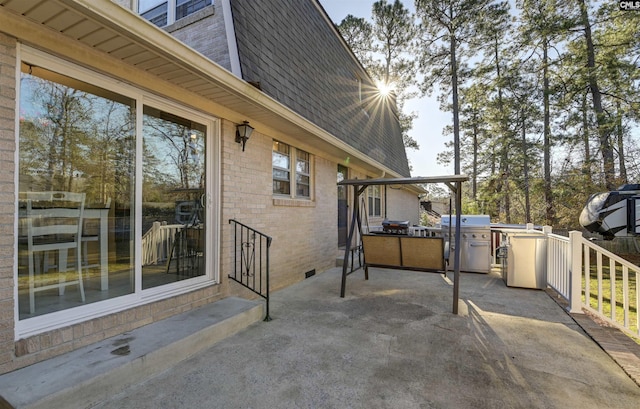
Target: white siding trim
231, 38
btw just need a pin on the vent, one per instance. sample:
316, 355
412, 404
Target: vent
310, 273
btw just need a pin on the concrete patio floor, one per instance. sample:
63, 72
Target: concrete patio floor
393, 342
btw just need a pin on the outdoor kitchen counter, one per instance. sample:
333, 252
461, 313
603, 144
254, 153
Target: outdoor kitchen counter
404, 252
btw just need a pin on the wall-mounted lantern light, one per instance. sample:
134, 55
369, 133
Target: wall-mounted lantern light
243, 133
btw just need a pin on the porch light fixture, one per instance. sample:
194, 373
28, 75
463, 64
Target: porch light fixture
243, 133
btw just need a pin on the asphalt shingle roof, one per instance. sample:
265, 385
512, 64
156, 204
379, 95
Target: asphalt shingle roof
292, 51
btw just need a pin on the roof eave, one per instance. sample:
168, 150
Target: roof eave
243, 99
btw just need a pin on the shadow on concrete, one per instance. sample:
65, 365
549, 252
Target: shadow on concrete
393, 342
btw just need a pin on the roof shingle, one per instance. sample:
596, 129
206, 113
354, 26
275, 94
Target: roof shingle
291, 49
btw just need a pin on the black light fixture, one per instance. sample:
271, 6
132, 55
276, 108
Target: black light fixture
243, 133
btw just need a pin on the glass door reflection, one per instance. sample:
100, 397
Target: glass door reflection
173, 198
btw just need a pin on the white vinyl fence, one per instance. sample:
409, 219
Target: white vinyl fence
590, 277
158, 241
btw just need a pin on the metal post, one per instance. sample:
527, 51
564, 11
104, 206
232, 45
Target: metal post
354, 221
456, 258
267, 317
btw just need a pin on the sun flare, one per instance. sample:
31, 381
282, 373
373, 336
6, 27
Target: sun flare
384, 88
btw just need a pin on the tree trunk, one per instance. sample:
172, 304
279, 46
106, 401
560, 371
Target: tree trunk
620, 139
586, 168
525, 171
474, 181
504, 142
601, 119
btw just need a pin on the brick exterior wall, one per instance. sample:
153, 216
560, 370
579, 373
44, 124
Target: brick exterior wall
204, 31
7, 195
128, 4
24, 352
304, 232
52, 343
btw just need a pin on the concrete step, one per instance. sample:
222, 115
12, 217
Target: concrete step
355, 255
87, 376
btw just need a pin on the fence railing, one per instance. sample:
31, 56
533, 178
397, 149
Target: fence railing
591, 277
610, 285
559, 265
158, 241
251, 260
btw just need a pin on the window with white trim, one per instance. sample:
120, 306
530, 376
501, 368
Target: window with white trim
139, 167
374, 201
289, 179
166, 12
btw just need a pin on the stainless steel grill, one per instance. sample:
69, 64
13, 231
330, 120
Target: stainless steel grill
475, 241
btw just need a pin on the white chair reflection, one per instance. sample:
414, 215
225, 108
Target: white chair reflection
95, 230
54, 223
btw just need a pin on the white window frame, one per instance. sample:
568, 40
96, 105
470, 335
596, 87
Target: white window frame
293, 180
372, 197
47, 322
172, 6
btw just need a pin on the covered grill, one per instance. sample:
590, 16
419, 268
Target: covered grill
475, 241
395, 227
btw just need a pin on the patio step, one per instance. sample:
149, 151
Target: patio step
353, 255
87, 376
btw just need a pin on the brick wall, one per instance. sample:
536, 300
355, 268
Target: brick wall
24, 352
49, 344
204, 31
7, 197
304, 232
128, 4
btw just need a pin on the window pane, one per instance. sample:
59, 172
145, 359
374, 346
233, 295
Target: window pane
280, 187
146, 5
75, 138
186, 7
156, 14
280, 160
281, 175
302, 162
302, 186
173, 192
281, 168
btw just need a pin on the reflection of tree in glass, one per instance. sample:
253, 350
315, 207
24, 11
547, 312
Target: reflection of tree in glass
56, 133
178, 160
75, 141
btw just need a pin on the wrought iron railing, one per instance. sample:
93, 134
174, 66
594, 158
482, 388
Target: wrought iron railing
251, 260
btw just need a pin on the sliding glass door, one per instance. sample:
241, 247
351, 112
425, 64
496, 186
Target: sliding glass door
133, 172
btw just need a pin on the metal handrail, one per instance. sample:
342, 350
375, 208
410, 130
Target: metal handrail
251, 260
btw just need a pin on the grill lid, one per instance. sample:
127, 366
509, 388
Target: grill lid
395, 224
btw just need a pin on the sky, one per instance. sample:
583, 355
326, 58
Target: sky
427, 128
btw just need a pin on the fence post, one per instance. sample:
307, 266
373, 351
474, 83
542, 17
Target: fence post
575, 273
